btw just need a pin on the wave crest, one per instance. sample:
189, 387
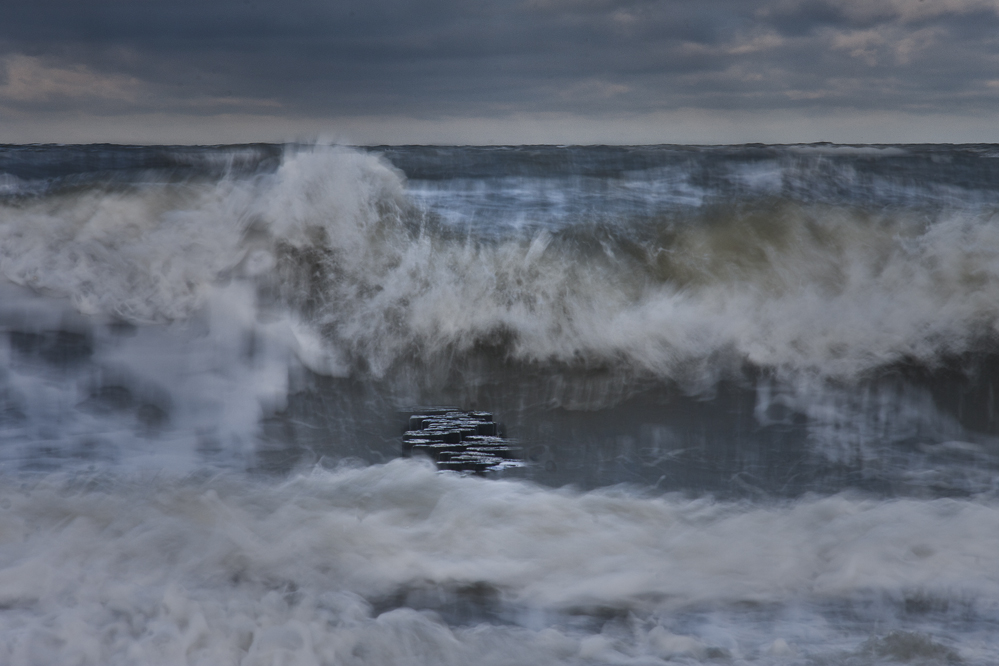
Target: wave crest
332, 241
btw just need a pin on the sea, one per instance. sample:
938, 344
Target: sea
755, 389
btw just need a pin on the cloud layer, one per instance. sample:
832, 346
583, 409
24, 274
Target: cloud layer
302, 61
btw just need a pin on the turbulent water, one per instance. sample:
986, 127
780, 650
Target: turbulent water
755, 387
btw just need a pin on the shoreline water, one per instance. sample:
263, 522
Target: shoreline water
755, 387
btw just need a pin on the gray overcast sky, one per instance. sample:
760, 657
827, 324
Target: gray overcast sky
502, 71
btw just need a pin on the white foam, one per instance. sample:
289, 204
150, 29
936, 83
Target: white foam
10, 184
208, 359
148, 396
172, 571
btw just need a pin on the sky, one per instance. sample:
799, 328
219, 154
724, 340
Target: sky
499, 71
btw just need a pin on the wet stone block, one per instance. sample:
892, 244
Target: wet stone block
458, 440
437, 450
503, 452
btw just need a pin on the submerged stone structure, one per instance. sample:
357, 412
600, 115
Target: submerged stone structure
460, 441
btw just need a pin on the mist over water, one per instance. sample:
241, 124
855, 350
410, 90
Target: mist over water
754, 386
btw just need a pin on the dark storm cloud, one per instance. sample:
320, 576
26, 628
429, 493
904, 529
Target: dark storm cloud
449, 57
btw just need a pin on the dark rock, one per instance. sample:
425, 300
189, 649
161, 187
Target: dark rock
458, 440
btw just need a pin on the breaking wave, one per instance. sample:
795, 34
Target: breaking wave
332, 241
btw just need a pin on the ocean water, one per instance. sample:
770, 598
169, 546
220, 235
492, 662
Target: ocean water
755, 387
